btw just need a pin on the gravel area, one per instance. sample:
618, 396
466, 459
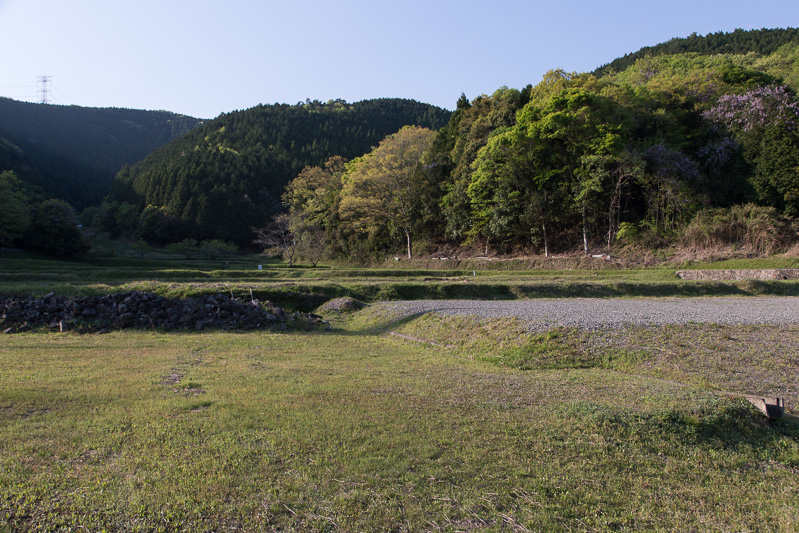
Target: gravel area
610, 313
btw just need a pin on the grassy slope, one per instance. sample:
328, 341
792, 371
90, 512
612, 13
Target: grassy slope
355, 430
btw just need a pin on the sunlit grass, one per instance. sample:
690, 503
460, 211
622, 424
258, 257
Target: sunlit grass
356, 430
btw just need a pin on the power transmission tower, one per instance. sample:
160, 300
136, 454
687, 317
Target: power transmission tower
44, 90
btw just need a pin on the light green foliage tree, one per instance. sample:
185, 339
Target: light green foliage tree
386, 186
510, 193
315, 191
565, 150
554, 82
457, 146
309, 236
312, 199
14, 208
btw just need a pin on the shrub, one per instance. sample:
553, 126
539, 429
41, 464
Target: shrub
215, 248
185, 247
748, 227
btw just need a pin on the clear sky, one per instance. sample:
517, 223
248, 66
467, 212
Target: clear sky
206, 57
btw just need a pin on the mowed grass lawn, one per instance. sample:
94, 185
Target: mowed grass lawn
358, 431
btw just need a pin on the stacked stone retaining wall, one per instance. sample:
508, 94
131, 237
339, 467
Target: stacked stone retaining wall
144, 310
733, 275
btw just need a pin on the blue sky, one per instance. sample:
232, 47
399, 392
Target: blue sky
203, 58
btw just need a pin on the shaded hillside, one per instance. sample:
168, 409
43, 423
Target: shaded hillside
227, 176
72, 152
763, 42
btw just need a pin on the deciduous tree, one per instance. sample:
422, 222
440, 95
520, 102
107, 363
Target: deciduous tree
278, 234
386, 186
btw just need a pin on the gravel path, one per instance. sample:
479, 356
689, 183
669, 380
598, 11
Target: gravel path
610, 313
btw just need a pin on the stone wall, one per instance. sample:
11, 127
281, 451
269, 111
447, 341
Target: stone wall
732, 275
144, 310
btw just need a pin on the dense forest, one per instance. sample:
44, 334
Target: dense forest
689, 146
226, 177
762, 42
694, 140
73, 153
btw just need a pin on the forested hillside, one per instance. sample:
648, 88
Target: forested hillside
228, 176
762, 42
72, 153
691, 141
694, 147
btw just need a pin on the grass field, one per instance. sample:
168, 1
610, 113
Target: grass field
356, 430
420, 424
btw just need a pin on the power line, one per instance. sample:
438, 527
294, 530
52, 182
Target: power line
64, 95
15, 91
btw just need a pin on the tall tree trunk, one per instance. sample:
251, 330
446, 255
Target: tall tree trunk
292, 250
408, 236
546, 239
614, 210
585, 233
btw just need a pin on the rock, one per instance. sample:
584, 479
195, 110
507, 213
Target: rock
341, 305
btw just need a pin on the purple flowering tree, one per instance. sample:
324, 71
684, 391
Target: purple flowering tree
756, 109
764, 121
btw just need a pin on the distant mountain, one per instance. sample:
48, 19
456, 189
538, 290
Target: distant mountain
763, 42
72, 152
228, 175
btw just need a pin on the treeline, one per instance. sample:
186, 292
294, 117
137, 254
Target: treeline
762, 42
46, 225
73, 153
226, 177
575, 162
674, 144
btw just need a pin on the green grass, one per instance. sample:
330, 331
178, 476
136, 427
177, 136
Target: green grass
306, 288
358, 430
744, 264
